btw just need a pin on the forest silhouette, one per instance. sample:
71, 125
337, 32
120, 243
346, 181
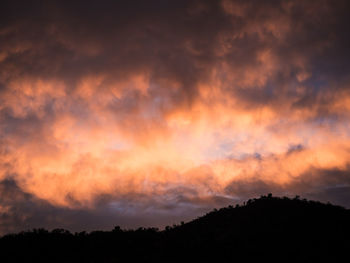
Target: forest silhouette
267, 229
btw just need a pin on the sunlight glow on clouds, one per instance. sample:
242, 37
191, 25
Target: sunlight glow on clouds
186, 100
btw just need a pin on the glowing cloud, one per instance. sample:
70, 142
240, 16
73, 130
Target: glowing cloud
172, 104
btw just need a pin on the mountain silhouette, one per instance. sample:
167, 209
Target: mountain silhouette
267, 229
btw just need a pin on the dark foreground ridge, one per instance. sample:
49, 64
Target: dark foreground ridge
268, 229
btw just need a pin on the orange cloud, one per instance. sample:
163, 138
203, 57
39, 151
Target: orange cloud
234, 95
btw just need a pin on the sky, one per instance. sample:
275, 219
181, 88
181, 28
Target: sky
148, 113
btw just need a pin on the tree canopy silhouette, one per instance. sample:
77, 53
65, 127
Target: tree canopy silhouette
268, 228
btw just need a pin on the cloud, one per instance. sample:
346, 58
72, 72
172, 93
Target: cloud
174, 106
22, 211
326, 185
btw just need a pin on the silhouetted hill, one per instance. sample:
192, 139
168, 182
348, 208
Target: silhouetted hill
265, 229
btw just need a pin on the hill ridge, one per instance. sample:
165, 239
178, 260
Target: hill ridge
266, 228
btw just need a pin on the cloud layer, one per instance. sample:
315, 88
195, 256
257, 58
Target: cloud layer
115, 111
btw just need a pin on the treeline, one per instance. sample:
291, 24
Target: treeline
267, 228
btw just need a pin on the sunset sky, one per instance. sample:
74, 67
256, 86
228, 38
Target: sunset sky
148, 113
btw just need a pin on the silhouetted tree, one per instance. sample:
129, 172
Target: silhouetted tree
268, 228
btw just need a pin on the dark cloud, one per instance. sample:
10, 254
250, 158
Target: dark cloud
290, 58
326, 185
177, 40
22, 211
183, 41
295, 148
49, 40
